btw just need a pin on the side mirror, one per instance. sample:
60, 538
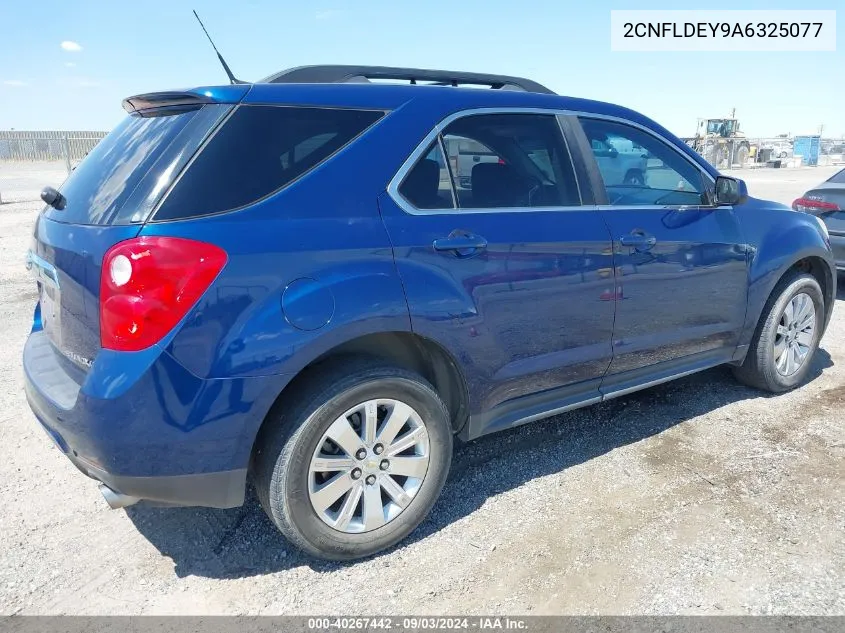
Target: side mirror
730, 191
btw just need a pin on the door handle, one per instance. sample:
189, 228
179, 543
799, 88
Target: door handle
638, 240
464, 244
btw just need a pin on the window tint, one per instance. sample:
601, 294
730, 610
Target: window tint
838, 177
427, 185
259, 150
639, 169
124, 175
510, 161
466, 153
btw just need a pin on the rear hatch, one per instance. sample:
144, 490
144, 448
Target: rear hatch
108, 197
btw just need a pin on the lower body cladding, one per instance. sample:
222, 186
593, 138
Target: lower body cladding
147, 428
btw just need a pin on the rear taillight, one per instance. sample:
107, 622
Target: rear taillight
148, 284
815, 207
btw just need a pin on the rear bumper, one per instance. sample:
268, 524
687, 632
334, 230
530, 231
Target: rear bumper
146, 427
214, 490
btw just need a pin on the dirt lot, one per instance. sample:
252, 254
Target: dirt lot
698, 497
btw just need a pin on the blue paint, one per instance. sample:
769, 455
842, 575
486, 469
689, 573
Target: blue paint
554, 305
307, 304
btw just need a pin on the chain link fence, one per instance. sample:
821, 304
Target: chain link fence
66, 146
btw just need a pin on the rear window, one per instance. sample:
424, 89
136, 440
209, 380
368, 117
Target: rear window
838, 177
259, 150
127, 172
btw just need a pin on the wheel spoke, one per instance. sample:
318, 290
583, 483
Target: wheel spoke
779, 349
783, 359
415, 467
370, 421
782, 330
799, 355
330, 492
807, 321
406, 441
805, 338
803, 308
789, 312
331, 464
373, 508
348, 507
396, 492
342, 434
790, 360
394, 423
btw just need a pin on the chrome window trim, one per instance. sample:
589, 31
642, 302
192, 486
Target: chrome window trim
439, 128
661, 207
442, 146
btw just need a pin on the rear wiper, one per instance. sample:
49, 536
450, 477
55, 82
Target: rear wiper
53, 198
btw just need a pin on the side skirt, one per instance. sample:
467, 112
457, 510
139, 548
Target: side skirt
554, 401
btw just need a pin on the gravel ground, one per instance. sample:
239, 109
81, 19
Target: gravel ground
697, 497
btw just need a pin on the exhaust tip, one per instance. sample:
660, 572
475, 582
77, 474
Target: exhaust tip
116, 500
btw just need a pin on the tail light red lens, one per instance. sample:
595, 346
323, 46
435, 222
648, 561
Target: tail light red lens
148, 284
815, 207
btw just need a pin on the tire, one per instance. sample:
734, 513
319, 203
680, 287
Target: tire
742, 155
760, 368
293, 437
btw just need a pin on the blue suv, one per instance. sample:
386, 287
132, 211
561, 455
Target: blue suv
287, 283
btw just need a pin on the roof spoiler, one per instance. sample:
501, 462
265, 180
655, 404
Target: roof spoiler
164, 99
350, 74
185, 98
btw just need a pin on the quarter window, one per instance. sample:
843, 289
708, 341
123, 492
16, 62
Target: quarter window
638, 169
259, 150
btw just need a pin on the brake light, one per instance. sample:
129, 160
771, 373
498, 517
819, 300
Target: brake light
148, 284
814, 206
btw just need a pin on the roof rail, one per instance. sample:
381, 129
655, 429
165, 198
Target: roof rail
362, 74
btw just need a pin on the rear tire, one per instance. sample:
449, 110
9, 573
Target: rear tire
768, 365
289, 464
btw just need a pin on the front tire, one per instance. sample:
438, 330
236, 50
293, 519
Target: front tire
357, 462
787, 336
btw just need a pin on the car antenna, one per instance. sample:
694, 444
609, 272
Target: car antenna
232, 78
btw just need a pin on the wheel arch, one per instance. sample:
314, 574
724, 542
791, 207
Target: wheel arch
404, 349
813, 259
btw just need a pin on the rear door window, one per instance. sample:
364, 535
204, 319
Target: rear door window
496, 161
256, 152
428, 184
510, 161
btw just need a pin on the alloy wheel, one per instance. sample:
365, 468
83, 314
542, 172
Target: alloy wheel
795, 334
368, 466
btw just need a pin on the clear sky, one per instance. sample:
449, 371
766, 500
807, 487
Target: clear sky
114, 49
